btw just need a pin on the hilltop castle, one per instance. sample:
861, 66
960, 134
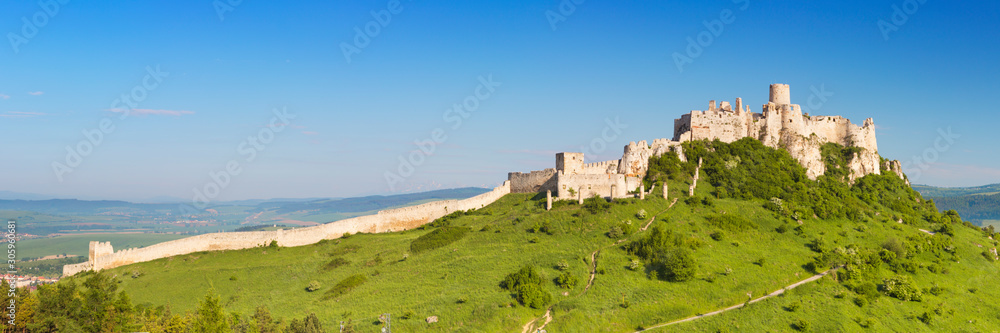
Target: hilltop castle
780, 124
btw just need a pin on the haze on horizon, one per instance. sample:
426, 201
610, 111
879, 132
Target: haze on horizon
319, 99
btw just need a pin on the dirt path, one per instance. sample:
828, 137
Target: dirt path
734, 307
548, 318
657, 214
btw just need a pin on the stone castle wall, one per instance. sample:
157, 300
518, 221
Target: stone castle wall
532, 182
103, 256
589, 185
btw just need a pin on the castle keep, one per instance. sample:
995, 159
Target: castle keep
780, 124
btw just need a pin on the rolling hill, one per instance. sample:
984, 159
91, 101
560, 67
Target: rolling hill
869, 256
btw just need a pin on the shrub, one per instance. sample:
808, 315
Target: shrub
345, 286
526, 275
868, 290
641, 214
801, 325
634, 265
566, 280
793, 307
817, 245
946, 229
989, 256
782, 228
731, 222
562, 265
926, 318
860, 301
717, 235
408, 314
760, 262
616, 232
896, 246
437, 238
865, 323
336, 262
273, 244
596, 204
232, 278
901, 287
678, 264
313, 286
532, 295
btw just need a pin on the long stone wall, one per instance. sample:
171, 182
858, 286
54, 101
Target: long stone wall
384, 221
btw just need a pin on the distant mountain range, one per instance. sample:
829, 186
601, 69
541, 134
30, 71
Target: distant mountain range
280, 205
979, 204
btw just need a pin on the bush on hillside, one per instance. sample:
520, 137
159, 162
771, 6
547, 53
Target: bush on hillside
677, 264
437, 238
345, 286
731, 222
596, 204
526, 284
901, 287
336, 262
566, 280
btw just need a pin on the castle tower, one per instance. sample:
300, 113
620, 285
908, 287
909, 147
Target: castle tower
569, 163
780, 94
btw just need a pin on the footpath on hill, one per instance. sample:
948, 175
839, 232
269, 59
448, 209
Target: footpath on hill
734, 307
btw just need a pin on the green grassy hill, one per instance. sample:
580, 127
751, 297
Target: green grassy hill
755, 225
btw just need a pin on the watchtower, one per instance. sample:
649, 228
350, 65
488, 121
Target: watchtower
780, 94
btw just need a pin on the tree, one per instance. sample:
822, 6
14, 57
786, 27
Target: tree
265, 323
209, 316
678, 264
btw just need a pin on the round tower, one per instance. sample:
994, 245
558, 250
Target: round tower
780, 94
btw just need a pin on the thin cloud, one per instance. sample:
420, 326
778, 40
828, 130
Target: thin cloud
309, 133
20, 114
528, 152
35, 93
152, 112
3, 96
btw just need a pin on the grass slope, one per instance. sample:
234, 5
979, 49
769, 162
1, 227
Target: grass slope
767, 227
459, 283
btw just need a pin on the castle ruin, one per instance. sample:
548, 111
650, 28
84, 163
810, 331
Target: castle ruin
780, 124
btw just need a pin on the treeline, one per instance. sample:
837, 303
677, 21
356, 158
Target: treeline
973, 207
97, 305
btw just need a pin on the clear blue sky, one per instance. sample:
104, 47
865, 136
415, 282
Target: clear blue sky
557, 88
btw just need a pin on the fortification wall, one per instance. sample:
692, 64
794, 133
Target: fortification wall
590, 185
384, 221
600, 168
532, 182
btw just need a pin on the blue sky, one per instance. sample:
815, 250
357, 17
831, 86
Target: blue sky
221, 78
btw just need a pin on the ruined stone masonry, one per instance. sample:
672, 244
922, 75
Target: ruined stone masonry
780, 124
